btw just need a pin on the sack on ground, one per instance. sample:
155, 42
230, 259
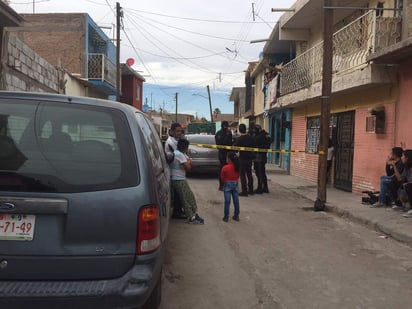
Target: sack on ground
371, 197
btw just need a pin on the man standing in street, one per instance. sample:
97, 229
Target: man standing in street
223, 137
175, 134
263, 141
245, 159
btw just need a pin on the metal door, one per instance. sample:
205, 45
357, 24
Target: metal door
344, 150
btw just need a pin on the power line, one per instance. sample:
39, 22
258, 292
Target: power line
183, 58
188, 31
175, 36
140, 28
194, 19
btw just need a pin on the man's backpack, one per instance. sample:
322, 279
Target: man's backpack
170, 156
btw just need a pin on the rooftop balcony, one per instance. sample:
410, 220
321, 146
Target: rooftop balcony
352, 45
102, 73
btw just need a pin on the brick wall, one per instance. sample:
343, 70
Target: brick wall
302, 164
371, 150
24, 70
404, 107
58, 38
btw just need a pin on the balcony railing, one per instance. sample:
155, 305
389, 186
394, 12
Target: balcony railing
101, 68
351, 45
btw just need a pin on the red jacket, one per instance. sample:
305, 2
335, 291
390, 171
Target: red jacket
228, 173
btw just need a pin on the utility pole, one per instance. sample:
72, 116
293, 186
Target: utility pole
118, 81
176, 107
325, 100
210, 103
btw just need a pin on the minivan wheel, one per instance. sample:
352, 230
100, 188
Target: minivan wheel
155, 298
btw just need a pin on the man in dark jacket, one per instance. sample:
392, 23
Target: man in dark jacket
262, 140
245, 160
223, 137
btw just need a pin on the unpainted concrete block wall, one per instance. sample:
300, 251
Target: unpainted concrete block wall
25, 70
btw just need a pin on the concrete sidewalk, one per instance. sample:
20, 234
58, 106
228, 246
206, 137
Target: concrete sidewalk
348, 205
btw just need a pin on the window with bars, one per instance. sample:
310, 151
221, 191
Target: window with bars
312, 134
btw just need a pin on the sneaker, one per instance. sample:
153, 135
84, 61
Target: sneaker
226, 219
236, 218
408, 214
377, 205
243, 194
196, 220
396, 207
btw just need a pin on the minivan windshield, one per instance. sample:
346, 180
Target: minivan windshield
61, 147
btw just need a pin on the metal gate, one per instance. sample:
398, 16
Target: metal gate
345, 127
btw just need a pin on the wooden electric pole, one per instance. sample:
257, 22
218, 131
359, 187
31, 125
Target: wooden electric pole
325, 100
210, 104
118, 74
176, 108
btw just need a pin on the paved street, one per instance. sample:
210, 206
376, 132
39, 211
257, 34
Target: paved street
281, 255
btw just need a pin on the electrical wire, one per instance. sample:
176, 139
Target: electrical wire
175, 36
193, 19
25, 3
151, 39
188, 31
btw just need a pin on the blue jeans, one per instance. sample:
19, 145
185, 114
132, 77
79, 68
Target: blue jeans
230, 189
387, 187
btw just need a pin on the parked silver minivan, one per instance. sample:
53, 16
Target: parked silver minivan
84, 204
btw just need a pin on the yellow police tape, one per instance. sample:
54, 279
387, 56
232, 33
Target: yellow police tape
236, 148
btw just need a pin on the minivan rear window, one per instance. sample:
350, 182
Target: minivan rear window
61, 147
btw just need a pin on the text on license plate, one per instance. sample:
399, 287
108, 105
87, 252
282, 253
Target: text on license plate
16, 226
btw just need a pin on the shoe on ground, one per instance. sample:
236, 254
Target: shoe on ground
265, 190
197, 220
251, 192
396, 207
378, 205
226, 219
236, 218
243, 194
408, 214
258, 191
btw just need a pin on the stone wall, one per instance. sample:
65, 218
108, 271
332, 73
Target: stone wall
24, 70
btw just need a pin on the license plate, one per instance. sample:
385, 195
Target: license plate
16, 226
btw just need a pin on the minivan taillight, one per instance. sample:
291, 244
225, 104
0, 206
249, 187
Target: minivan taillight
148, 234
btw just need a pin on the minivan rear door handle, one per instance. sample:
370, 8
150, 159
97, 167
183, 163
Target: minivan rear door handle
28, 205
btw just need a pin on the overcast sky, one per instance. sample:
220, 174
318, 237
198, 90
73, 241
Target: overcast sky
182, 45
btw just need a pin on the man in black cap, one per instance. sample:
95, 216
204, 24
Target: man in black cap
223, 137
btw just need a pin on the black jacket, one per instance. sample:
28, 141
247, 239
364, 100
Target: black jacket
224, 137
245, 141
